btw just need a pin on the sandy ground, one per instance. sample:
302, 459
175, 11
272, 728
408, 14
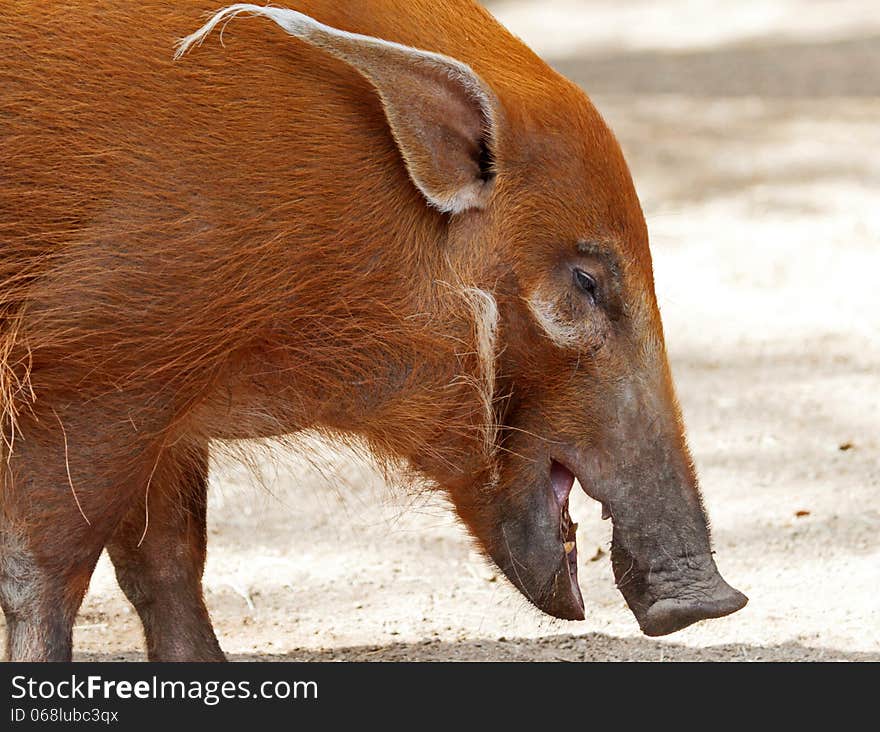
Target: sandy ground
752, 132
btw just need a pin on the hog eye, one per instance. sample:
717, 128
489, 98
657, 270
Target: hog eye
586, 282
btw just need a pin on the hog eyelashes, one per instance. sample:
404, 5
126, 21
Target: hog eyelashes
586, 283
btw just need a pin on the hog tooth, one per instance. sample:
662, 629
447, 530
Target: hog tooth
569, 547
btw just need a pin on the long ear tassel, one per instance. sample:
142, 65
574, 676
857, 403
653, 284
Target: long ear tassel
308, 29
226, 14
442, 166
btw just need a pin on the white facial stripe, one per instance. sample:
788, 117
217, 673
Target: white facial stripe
485, 313
556, 329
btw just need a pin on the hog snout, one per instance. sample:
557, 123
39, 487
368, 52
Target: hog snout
641, 471
668, 594
668, 616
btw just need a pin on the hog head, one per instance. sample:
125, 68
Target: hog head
587, 385
543, 226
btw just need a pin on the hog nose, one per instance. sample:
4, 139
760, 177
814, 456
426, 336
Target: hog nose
669, 615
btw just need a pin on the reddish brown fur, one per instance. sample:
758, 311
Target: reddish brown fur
229, 246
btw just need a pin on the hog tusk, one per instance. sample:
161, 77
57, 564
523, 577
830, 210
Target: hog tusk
569, 547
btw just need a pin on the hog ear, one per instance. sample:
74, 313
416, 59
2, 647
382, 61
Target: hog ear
442, 115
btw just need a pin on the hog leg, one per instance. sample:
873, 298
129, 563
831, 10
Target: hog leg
160, 569
64, 487
40, 596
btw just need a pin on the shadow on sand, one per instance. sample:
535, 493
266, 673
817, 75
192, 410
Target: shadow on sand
783, 69
565, 648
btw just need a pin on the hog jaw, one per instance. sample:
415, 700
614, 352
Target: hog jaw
639, 468
661, 552
667, 589
537, 547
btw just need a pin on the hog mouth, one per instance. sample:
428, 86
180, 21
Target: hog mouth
562, 480
660, 553
665, 593
535, 542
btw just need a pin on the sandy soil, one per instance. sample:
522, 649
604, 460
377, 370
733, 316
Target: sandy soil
752, 132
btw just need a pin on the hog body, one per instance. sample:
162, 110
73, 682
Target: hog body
386, 220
